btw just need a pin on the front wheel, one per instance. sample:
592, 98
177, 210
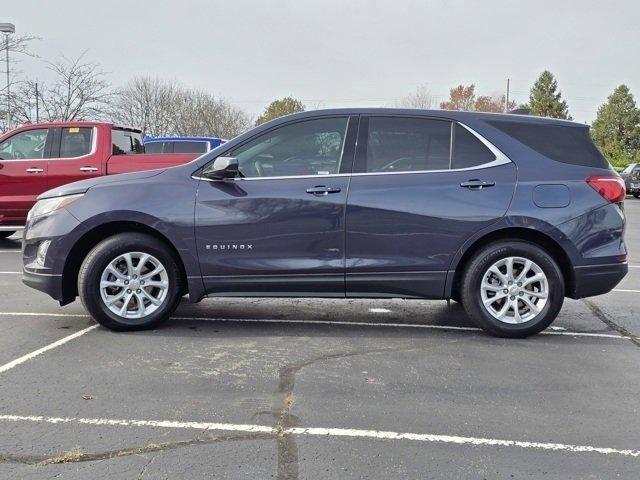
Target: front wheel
130, 281
512, 289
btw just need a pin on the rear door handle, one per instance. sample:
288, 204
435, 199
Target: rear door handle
322, 190
88, 169
475, 184
35, 170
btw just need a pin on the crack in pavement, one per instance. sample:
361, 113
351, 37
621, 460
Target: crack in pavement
41, 460
288, 464
604, 318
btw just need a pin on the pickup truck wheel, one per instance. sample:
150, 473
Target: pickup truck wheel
130, 281
6, 234
512, 289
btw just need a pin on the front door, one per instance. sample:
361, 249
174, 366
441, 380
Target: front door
278, 229
23, 173
414, 200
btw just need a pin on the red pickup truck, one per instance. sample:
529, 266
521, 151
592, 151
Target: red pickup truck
37, 157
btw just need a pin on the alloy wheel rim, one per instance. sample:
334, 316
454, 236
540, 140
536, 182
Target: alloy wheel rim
134, 285
514, 290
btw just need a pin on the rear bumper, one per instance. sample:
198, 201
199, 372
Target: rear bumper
48, 283
591, 280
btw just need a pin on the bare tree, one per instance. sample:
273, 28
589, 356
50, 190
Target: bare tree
147, 103
421, 99
79, 91
201, 113
17, 45
163, 108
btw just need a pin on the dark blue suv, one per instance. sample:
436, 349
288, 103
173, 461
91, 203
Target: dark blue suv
505, 214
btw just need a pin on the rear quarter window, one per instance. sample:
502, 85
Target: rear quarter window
566, 144
126, 142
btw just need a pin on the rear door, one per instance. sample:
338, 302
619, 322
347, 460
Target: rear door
421, 186
23, 173
74, 156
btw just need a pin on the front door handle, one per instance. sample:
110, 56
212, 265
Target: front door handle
475, 184
34, 170
321, 190
88, 169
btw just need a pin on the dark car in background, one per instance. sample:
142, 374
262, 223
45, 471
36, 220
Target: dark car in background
506, 214
631, 177
181, 144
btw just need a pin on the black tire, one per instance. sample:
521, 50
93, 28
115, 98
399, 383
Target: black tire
6, 234
483, 260
106, 251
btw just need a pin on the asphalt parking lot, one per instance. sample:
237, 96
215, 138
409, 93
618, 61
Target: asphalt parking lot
287, 389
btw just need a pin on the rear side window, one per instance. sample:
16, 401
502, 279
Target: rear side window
125, 142
76, 142
562, 144
153, 147
189, 147
397, 144
468, 150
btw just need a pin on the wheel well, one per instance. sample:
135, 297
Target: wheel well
533, 236
90, 239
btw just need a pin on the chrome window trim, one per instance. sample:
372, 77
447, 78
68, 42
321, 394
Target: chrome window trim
501, 159
94, 145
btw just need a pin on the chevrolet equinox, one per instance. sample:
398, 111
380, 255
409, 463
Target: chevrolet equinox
506, 214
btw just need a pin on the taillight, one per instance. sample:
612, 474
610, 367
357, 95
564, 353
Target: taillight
610, 187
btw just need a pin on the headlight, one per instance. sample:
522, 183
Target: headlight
50, 205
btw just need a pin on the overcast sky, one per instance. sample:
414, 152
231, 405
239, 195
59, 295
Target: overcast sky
339, 53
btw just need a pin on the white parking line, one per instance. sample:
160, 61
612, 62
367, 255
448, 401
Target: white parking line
10, 251
624, 290
10, 273
326, 432
326, 322
40, 351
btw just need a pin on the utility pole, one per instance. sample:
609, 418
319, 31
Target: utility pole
6, 46
7, 29
506, 99
37, 105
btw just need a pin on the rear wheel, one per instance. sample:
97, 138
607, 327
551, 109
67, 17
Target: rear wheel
130, 281
512, 289
6, 234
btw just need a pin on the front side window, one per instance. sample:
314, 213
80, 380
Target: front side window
76, 142
312, 147
397, 144
28, 144
468, 150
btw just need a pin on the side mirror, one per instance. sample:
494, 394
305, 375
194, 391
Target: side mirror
221, 168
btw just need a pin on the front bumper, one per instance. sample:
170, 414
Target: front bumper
591, 280
49, 283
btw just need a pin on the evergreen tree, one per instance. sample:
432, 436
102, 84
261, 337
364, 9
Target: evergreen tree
616, 129
545, 100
